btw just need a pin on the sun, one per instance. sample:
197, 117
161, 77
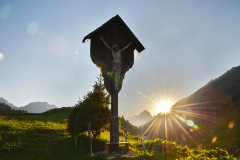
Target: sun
164, 107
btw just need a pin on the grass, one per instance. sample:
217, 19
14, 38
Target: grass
29, 139
43, 136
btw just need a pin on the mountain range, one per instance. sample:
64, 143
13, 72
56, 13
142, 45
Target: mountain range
34, 107
39, 107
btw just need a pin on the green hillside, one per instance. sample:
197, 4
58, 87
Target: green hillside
43, 136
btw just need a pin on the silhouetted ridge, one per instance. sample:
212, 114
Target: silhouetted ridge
212, 109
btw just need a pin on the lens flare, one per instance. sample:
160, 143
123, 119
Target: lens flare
182, 119
32, 28
231, 125
109, 73
195, 126
5, 11
214, 139
1, 56
190, 123
99, 67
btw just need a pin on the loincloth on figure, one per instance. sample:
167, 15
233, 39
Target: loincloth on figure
116, 67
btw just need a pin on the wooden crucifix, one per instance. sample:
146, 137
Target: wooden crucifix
112, 49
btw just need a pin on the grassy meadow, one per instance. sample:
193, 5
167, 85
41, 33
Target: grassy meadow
43, 136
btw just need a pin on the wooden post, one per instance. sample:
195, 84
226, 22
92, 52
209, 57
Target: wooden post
76, 133
114, 125
142, 140
90, 138
127, 129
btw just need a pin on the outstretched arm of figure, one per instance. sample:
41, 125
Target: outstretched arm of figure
126, 46
106, 44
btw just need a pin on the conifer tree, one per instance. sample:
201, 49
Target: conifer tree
93, 108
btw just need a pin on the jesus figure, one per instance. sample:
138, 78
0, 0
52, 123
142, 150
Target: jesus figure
116, 62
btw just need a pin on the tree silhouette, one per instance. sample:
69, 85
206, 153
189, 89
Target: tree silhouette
6, 110
93, 108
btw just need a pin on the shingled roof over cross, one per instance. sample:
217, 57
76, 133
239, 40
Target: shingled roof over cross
136, 43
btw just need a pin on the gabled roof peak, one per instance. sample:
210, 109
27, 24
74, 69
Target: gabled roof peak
138, 44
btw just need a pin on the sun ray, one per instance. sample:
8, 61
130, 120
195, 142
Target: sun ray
167, 124
183, 129
174, 93
151, 124
143, 95
193, 104
172, 128
156, 99
158, 126
197, 115
166, 136
154, 130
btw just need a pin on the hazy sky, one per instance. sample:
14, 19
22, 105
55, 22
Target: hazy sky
187, 43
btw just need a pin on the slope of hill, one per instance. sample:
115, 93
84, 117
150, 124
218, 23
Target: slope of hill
142, 118
132, 130
210, 116
213, 100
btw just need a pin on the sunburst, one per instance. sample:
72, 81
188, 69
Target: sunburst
164, 107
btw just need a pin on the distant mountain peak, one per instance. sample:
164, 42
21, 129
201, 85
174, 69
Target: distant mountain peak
33, 107
145, 114
142, 118
38, 107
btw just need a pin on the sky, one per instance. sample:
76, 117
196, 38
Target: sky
187, 43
